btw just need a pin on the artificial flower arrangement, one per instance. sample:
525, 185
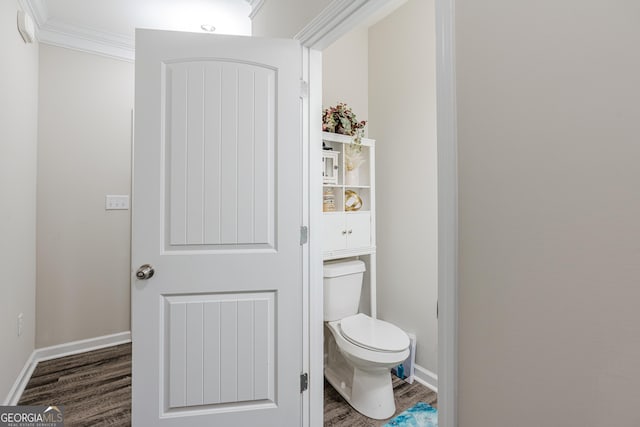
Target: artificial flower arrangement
341, 119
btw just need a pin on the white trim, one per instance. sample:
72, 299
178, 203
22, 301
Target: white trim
318, 33
331, 24
21, 382
37, 9
306, 276
447, 214
340, 17
426, 378
316, 289
111, 45
256, 5
82, 346
61, 350
57, 33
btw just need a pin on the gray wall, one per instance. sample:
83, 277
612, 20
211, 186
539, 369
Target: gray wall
84, 153
402, 113
549, 128
18, 141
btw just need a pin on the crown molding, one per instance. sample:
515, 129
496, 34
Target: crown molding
37, 9
111, 45
57, 33
54, 32
324, 24
340, 17
256, 5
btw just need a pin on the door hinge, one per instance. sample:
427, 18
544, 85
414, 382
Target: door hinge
304, 89
304, 382
304, 235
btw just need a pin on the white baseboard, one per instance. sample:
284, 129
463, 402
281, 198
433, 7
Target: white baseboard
82, 346
61, 350
21, 382
426, 378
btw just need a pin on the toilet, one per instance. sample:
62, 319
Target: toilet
359, 350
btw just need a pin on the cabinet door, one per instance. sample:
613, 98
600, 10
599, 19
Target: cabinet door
358, 230
334, 233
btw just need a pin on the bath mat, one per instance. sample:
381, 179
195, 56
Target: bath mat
419, 415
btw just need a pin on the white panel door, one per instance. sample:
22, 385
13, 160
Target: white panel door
217, 210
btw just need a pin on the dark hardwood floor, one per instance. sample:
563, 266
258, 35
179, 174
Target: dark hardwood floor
95, 389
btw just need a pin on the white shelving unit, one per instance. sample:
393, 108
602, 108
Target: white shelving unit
351, 233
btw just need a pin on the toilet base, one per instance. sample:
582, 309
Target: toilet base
369, 391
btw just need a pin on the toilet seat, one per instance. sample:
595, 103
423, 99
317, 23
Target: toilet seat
373, 334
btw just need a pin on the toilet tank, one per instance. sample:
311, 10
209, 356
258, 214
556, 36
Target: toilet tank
342, 286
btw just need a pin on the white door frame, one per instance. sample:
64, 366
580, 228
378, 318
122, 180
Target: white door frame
337, 19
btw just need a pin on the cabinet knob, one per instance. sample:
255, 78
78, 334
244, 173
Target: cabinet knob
344, 232
350, 231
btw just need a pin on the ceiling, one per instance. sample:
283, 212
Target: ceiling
107, 27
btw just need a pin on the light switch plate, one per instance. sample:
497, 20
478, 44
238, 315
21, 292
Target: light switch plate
116, 203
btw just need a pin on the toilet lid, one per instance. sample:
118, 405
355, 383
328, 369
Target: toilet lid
373, 334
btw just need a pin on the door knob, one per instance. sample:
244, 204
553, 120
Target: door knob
145, 272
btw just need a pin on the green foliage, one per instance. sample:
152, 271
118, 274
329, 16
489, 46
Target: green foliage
341, 119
